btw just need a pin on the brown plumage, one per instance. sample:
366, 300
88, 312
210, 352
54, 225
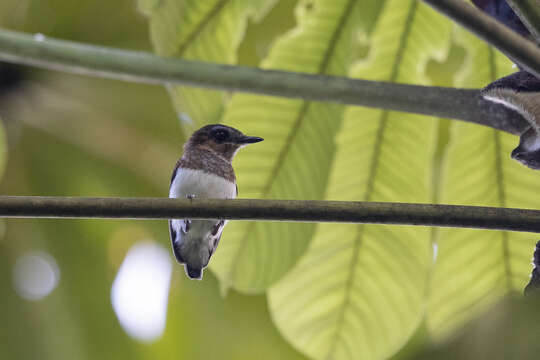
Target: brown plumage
205, 159
204, 171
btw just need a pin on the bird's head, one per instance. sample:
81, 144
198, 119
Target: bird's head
221, 139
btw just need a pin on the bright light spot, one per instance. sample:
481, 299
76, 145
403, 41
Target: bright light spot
39, 37
514, 66
35, 275
185, 118
140, 291
435, 251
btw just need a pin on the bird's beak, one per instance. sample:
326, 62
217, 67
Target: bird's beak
249, 140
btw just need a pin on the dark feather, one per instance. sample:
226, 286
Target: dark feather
218, 227
175, 170
193, 273
533, 287
176, 251
216, 243
521, 81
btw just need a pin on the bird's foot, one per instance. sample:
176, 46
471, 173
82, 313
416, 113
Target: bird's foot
187, 225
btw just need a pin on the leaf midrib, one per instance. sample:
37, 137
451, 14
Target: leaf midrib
305, 104
342, 23
501, 195
199, 28
371, 178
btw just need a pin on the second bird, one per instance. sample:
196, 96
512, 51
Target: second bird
204, 171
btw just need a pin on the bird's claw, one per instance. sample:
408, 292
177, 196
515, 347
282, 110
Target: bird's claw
187, 226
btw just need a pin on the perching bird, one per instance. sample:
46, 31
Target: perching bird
520, 92
204, 171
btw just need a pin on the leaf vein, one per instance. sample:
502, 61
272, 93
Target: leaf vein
201, 26
347, 11
371, 178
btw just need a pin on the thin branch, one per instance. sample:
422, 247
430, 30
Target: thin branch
272, 210
461, 104
528, 12
525, 52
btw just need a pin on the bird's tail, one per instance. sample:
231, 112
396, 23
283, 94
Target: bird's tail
193, 273
192, 266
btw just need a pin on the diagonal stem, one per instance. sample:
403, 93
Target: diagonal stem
525, 52
528, 12
461, 104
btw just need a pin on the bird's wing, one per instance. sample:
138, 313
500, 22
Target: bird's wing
177, 230
216, 242
174, 171
216, 233
177, 227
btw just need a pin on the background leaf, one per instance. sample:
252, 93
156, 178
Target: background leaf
358, 291
475, 268
209, 30
293, 161
81, 136
508, 330
113, 149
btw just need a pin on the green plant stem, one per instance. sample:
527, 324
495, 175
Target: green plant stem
272, 210
484, 26
461, 104
528, 12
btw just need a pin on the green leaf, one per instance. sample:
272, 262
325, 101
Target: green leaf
209, 30
474, 268
358, 292
293, 162
146, 7
507, 330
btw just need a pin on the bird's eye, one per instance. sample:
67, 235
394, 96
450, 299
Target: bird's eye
221, 135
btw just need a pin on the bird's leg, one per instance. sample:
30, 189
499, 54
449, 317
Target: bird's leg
187, 225
187, 222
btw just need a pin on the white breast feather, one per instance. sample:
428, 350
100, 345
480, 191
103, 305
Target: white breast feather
196, 242
202, 185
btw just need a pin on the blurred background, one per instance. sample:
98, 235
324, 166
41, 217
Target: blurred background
89, 289
79, 289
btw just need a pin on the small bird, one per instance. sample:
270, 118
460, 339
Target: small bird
204, 171
520, 92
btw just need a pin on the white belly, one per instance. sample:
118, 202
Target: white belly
196, 245
202, 185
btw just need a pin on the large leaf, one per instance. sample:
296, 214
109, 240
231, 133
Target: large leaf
508, 330
293, 161
209, 30
475, 268
358, 292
